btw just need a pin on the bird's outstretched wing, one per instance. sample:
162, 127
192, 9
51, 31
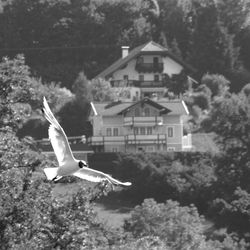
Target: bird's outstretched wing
97, 176
57, 137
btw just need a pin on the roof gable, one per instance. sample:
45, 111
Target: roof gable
120, 62
162, 109
150, 48
177, 107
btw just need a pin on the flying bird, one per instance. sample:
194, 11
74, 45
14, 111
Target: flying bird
68, 165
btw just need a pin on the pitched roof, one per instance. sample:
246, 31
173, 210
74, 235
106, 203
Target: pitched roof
170, 107
147, 100
177, 107
147, 48
105, 109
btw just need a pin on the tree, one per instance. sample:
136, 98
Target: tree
218, 84
170, 226
81, 89
246, 90
187, 178
212, 49
101, 91
30, 218
169, 222
229, 118
177, 83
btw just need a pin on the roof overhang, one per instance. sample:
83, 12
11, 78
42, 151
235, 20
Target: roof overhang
162, 109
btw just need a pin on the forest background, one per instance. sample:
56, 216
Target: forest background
45, 48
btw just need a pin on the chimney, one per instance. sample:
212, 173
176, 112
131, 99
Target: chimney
125, 50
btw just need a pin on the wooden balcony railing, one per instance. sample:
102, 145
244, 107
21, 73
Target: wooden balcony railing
149, 67
143, 120
127, 139
136, 83
148, 84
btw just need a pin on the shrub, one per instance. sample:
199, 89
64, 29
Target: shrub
179, 227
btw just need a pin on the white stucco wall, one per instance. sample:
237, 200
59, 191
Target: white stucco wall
97, 125
112, 122
170, 67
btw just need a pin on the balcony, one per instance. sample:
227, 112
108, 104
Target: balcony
106, 140
136, 83
149, 67
148, 84
127, 139
122, 83
143, 121
146, 139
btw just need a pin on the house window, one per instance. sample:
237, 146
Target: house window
115, 131
115, 149
150, 148
170, 131
109, 132
140, 149
142, 131
125, 79
156, 78
141, 78
136, 97
135, 130
149, 130
171, 149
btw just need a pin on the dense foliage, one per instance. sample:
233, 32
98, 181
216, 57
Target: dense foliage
30, 217
62, 38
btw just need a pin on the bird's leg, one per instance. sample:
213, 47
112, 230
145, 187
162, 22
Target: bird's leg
57, 178
111, 184
54, 179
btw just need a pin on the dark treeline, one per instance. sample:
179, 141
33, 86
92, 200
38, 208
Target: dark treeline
61, 38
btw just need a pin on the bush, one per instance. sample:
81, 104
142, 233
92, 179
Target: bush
185, 177
218, 84
178, 227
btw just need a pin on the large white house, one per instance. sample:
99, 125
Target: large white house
145, 125
146, 70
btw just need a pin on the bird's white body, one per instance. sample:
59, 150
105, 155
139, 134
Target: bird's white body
68, 165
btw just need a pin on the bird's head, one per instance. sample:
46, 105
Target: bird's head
82, 164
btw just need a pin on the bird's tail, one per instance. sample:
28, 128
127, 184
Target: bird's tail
50, 173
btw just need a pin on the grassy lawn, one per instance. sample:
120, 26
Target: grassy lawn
204, 142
